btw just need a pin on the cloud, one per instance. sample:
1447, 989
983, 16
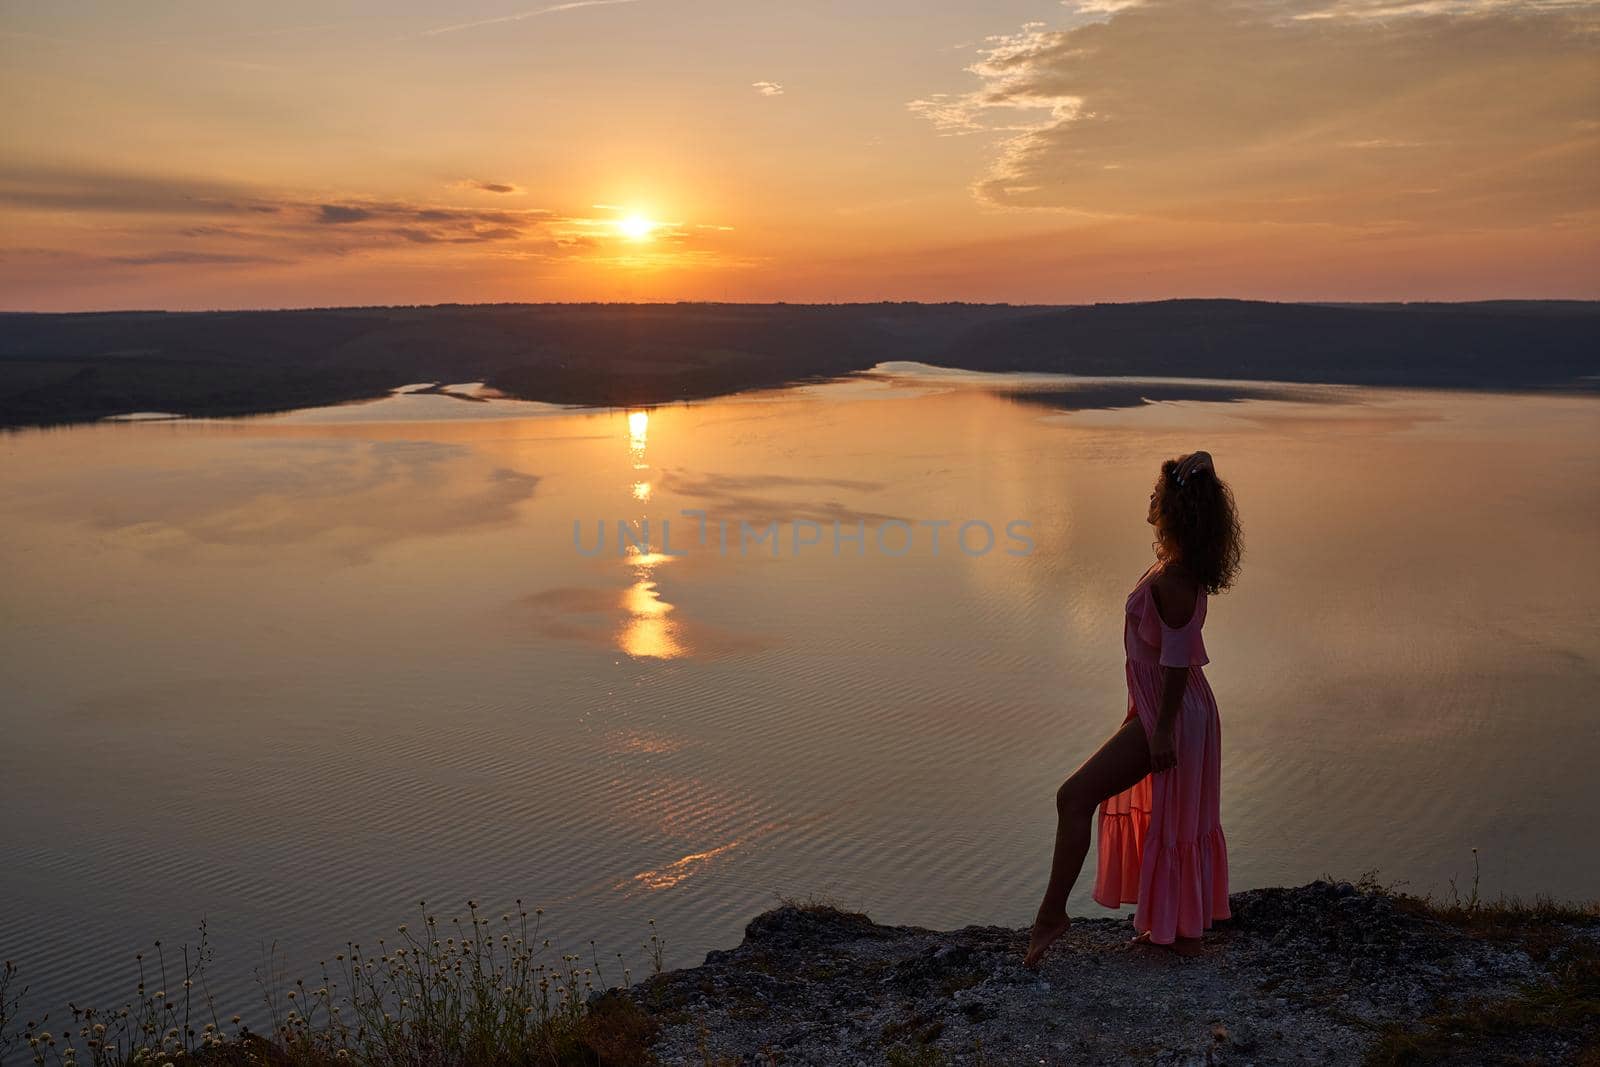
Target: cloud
767, 88
225, 223
178, 256
1448, 114
426, 237
338, 213
422, 224
68, 189
1098, 7
489, 187
552, 9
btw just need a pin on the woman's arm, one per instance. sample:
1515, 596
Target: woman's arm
1163, 747
1176, 602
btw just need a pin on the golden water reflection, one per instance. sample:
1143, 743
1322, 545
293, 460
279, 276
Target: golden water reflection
675, 872
647, 631
638, 437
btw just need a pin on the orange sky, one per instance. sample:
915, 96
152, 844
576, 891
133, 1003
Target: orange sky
193, 155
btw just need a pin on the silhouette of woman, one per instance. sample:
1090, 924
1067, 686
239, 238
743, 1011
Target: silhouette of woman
1157, 780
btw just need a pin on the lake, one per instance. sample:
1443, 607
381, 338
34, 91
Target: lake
293, 674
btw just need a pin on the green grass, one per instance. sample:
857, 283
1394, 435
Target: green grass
1564, 1008
468, 992
1538, 925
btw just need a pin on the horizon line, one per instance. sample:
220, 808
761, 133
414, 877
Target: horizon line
1324, 302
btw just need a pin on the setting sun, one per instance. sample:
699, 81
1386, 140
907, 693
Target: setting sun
694, 442
636, 227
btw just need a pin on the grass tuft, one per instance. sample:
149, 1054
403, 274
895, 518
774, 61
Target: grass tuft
1561, 1010
467, 992
1564, 1009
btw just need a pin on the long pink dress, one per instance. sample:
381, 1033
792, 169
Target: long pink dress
1161, 844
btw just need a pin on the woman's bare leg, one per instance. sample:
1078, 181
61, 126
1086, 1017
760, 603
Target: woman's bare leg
1120, 763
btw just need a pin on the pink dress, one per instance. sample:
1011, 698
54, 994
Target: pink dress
1161, 844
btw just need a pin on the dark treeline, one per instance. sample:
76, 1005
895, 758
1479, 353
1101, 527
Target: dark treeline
69, 367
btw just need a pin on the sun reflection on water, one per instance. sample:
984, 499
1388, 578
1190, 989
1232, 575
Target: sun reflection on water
647, 631
638, 437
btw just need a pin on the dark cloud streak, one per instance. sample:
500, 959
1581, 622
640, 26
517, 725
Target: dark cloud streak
175, 257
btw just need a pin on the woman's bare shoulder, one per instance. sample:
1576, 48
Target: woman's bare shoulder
1176, 595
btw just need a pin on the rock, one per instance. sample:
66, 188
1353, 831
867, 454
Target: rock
1306, 974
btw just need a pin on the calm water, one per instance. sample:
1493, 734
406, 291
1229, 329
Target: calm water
293, 674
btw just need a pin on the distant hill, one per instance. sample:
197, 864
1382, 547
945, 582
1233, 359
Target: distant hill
62, 368
1493, 345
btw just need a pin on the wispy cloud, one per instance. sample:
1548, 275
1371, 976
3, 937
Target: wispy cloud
223, 223
178, 257
1441, 113
1098, 7
337, 213
519, 16
767, 88
480, 186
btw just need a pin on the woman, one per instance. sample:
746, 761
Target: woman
1157, 780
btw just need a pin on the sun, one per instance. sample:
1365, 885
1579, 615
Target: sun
636, 227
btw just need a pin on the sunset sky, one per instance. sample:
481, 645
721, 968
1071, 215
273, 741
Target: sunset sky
189, 154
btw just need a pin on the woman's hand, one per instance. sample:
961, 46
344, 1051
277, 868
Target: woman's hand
1163, 750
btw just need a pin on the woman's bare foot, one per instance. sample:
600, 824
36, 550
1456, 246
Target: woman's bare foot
1046, 928
1183, 946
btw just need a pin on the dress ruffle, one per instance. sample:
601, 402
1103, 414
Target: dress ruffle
1187, 887
1124, 823
1181, 887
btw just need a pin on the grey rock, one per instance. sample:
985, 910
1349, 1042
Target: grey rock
1299, 975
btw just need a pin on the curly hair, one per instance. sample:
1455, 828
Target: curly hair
1197, 525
